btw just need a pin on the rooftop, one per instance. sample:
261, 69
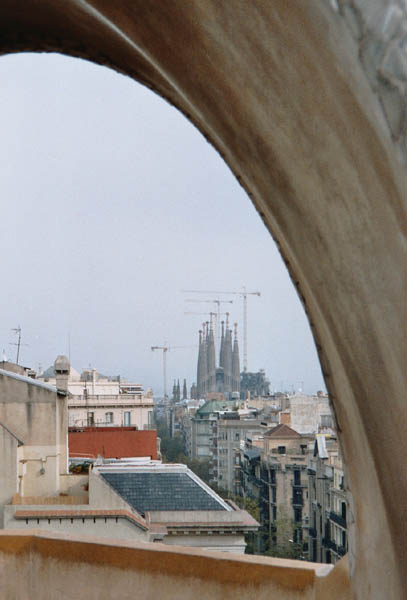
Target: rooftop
28, 380
162, 489
282, 431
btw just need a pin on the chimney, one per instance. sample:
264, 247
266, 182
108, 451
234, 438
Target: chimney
62, 369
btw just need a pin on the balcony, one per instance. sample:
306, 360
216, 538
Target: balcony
340, 550
299, 485
328, 543
110, 400
338, 519
41, 564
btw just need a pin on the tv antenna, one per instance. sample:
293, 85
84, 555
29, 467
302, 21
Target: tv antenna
17, 330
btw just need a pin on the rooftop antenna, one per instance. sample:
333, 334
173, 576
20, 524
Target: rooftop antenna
17, 330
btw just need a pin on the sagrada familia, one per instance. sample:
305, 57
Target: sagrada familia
225, 378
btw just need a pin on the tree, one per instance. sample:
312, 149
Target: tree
172, 451
284, 546
200, 467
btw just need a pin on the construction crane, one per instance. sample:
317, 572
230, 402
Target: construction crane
244, 295
165, 348
218, 303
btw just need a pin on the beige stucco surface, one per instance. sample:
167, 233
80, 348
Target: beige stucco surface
9, 466
37, 416
112, 528
51, 566
280, 91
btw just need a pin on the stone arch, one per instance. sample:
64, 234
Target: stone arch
279, 90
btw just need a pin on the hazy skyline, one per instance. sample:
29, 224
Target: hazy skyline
112, 204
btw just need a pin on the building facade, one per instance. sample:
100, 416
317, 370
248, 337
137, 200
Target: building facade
327, 502
96, 400
276, 477
229, 431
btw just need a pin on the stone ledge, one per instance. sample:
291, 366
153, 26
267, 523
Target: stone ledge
155, 559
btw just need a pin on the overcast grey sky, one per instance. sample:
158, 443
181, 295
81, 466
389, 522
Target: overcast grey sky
111, 204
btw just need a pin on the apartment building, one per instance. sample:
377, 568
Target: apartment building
276, 476
229, 430
97, 400
201, 427
327, 502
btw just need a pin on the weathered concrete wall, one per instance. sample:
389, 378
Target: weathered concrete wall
8, 468
38, 416
102, 495
120, 529
280, 90
74, 485
234, 544
29, 410
45, 566
306, 413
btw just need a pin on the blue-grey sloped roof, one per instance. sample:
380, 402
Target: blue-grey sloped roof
252, 453
161, 491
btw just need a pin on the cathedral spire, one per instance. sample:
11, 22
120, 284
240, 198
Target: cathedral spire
199, 375
211, 358
235, 364
204, 364
222, 342
227, 358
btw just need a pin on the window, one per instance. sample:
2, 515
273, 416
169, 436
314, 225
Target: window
326, 421
297, 537
274, 513
272, 476
109, 417
297, 515
91, 418
127, 418
297, 477
281, 449
150, 417
274, 494
237, 436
